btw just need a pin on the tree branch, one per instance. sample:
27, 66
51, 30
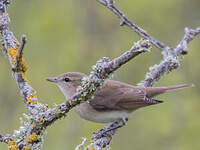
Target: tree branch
11, 48
125, 21
82, 144
170, 60
5, 139
19, 64
190, 34
103, 137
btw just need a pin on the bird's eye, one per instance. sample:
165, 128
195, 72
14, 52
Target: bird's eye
67, 79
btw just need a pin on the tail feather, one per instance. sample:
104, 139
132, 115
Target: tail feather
177, 87
154, 91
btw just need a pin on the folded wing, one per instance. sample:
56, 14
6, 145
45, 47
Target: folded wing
116, 95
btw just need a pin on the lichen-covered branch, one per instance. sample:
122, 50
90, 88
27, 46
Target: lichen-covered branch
14, 51
103, 137
82, 144
19, 57
18, 64
182, 47
171, 59
5, 139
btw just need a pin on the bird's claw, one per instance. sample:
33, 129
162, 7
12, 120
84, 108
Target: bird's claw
110, 129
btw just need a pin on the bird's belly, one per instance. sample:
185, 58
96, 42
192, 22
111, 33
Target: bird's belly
85, 111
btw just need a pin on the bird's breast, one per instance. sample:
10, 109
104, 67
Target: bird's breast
86, 111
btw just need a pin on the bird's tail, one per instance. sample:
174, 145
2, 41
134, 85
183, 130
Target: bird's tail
154, 91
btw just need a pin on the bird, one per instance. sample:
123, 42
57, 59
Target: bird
114, 101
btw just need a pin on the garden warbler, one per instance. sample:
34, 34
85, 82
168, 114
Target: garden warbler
115, 100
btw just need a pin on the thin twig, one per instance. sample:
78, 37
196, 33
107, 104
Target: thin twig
125, 21
190, 34
5, 139
103, 137
170, 60
10, 44
82, 144
20, 53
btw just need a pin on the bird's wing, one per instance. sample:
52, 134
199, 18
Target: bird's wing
116, 95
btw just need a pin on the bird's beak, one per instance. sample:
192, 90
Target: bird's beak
52, 79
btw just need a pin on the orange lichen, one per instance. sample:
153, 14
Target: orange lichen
41, 119
16, 44
72, 101
28, 139
32, 138
31, 101
92, 148
23, 66
13, 54
12, 145
27, 148
33, 94
58, 112
29, 98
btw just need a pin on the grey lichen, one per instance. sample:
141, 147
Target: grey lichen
158, 70
25, 135
142, 45
23, 129
174, 63
95, 80
39, 144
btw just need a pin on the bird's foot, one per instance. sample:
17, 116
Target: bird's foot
124, 120
110, 129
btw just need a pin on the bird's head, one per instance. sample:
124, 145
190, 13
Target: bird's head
68, 82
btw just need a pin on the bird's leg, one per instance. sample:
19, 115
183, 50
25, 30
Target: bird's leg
124, 119
111, 127
117, 125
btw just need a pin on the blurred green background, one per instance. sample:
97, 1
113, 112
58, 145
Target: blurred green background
71, 35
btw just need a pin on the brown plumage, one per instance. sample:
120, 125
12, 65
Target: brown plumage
114, 101
122, 96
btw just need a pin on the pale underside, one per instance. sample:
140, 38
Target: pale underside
88, 113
